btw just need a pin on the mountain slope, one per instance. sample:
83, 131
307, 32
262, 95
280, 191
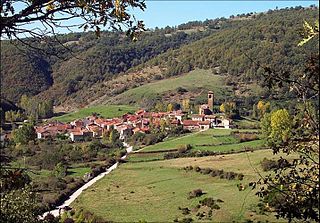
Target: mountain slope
269, 39
87, 61
23, 73
100, 69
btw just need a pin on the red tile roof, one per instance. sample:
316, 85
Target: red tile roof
190, 123
204, 123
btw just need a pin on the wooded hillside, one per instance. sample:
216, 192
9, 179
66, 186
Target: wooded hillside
101, 68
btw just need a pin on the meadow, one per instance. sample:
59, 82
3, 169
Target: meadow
154, 191
197, 79
213, 140
107, 111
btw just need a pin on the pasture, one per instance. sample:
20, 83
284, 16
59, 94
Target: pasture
191, 81
154, 191
218, 140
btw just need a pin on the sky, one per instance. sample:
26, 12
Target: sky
162, 13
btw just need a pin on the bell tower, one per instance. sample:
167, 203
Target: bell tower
210, 100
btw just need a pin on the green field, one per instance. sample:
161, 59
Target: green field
212, 139
196, 79
153, 191
107, 111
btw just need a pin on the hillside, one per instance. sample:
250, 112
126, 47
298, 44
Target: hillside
269, 39
191, 85
86, 61
23, 72
98, 70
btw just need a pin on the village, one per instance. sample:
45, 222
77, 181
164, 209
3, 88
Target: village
130, 124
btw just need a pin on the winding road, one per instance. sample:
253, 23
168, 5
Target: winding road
58, 210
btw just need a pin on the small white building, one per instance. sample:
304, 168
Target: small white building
198, 118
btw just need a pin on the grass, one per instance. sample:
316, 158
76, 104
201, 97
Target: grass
196, 79
212, 137
144, 157
247, 123
235, 146
107, 111
153, 191
78, 171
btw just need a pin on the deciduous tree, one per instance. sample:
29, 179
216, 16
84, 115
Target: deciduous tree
46, 16
24, 134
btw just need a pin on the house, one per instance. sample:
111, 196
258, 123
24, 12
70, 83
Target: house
82, 135
222, 123
175, 122
76, 136
211, 119
142, 130
204, 125
125, 131
96, 130
190, 125
78, 123
198, 118
179, 116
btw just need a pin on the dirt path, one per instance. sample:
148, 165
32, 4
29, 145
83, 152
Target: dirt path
58, 210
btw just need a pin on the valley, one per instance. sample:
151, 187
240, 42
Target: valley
205, 121
153, 191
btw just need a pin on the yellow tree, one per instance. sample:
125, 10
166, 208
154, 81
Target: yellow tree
263, 107
186, 104
280, 123
170, 107
222, 108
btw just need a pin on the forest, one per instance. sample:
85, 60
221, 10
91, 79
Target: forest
84, 68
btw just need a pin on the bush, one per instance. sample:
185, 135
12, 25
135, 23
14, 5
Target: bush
214, 173
268, 165
197, 169
245, 136
209, 202
185, 211
240, 176
195, 193
206, 171
188, 168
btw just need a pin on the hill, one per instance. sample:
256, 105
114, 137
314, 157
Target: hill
86, 61
191, 85
233, 51
23, 72
100, 69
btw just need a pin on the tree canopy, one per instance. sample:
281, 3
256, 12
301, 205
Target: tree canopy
46, 16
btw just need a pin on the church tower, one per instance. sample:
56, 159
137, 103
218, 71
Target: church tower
210, 100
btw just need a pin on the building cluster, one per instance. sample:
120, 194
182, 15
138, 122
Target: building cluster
129, 124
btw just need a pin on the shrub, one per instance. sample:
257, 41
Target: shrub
268, 164
184, 148
185, 211
209, 202
206, 171
197, 169
240, 176
186, 220
195, 193
188, 168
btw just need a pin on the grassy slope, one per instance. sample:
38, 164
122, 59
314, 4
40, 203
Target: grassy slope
153, 191
214, 137
190, 81
107, 111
